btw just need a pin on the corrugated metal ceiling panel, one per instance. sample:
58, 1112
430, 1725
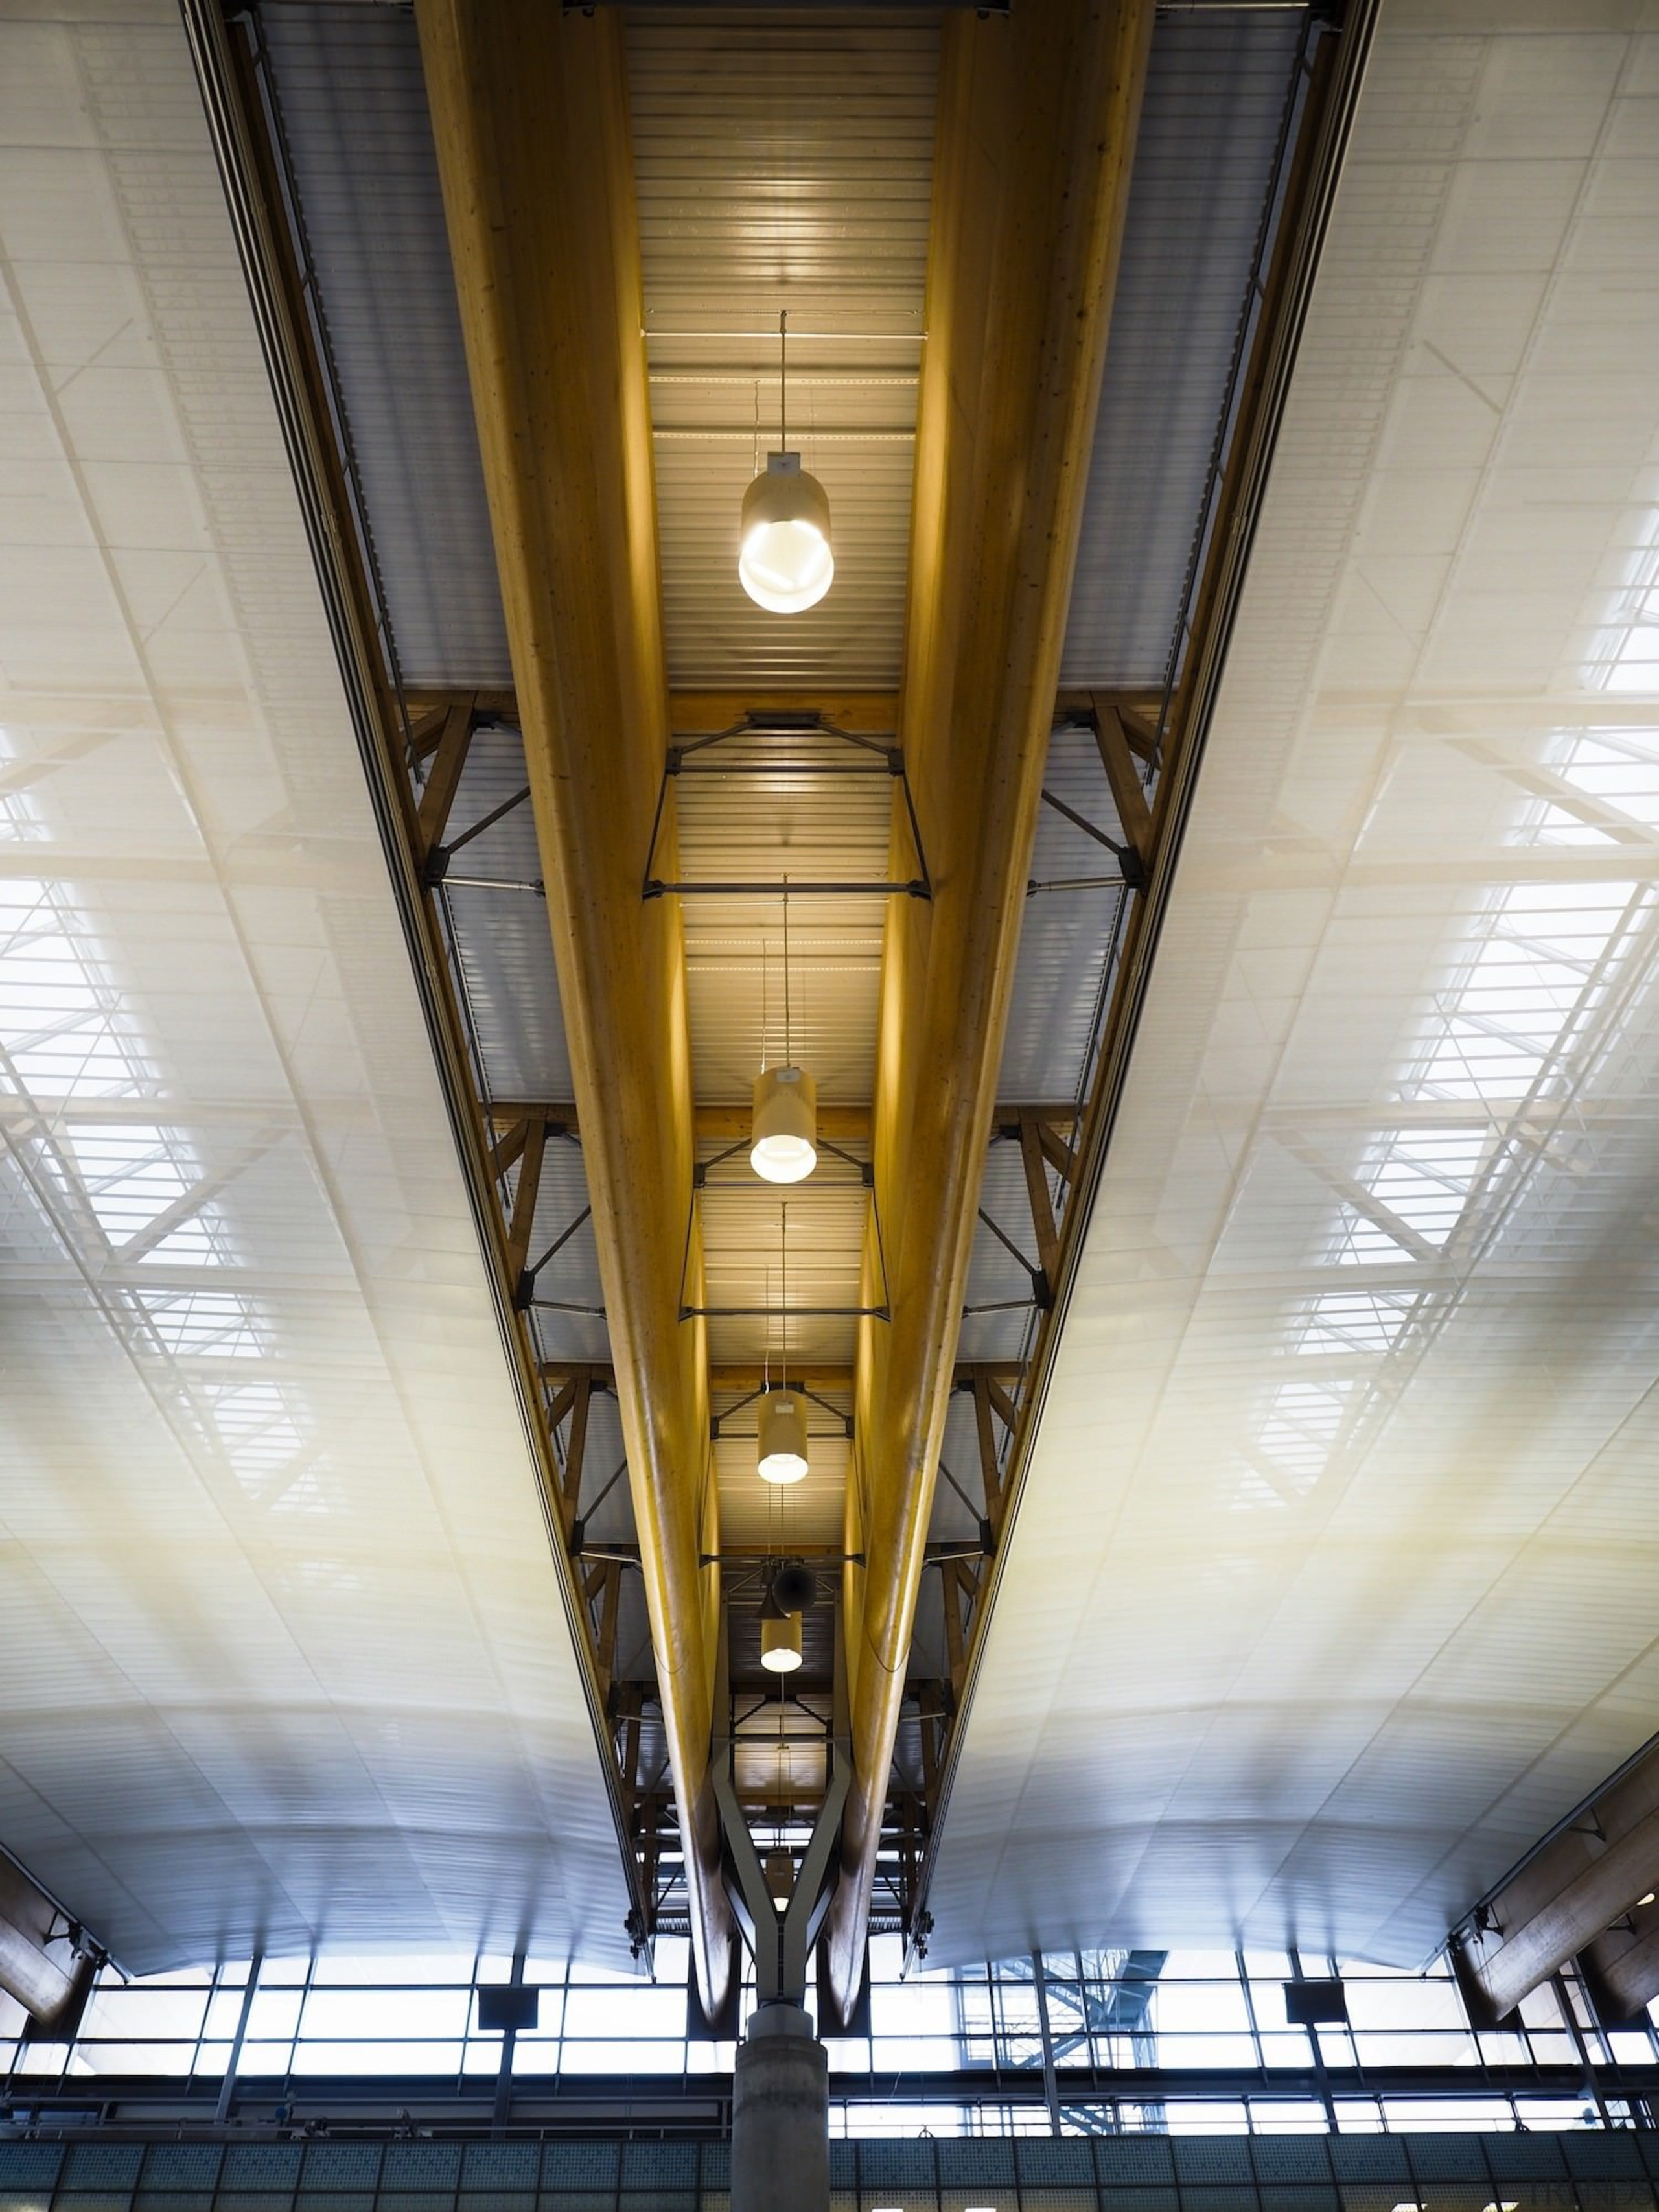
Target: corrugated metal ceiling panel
353, 112
1215, 96
1071, 917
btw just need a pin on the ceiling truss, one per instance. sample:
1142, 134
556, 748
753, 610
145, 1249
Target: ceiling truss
603, 747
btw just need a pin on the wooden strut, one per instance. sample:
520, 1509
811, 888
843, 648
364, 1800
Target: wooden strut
1042, 1206
581, 1392
1118, 758
521, 1222
449, 751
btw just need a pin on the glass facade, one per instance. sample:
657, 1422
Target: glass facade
1099, 2041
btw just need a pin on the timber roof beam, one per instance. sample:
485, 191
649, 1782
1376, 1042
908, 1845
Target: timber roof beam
1037, 117
530, 119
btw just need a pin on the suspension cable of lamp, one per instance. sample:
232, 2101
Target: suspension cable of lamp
782, 1460
781, 1455
787, 563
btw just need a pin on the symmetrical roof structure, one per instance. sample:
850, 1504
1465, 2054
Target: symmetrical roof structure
1199, 846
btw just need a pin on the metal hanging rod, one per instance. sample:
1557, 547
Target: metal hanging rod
912, 337
977, 7
786, 1313
492, 884
817, 437
885, 755
841, 379
655, 888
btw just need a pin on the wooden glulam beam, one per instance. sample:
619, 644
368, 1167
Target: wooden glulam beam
1568, 1896
1037, 122
1622, 1964
529, 119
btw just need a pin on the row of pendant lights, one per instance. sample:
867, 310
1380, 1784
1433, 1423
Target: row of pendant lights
791, 1590
785, 564
783, 1149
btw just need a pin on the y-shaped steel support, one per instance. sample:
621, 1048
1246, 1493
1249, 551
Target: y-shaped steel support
781, 1942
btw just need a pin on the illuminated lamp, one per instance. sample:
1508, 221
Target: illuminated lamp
781, 1456
783, 1132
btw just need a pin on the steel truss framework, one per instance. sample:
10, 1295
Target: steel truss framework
419, 744
516, 1139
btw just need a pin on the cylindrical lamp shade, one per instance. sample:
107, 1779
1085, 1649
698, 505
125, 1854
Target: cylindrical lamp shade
787, 564
781, 1644
782, 1453
783, 1137
779, 1871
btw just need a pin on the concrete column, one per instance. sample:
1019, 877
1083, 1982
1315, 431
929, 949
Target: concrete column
781, 2116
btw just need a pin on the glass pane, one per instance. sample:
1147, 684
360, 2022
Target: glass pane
330, 2013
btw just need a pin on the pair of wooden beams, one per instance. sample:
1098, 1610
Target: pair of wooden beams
530, 119
1038, 116
1588, 1894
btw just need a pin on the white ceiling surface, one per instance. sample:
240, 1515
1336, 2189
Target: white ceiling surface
1331, 1587
283, 1648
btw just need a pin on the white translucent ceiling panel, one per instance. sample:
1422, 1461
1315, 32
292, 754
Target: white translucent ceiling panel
282, 1639
1331, 1586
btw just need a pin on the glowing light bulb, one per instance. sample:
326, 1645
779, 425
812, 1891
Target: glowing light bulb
786, 564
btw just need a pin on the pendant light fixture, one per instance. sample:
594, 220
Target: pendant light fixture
780, 1639
780, 1615
779, 1871
783, 1453
780, 1455
783, 1128
786, 564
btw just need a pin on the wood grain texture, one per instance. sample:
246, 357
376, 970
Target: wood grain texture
530, 115
1038, 116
